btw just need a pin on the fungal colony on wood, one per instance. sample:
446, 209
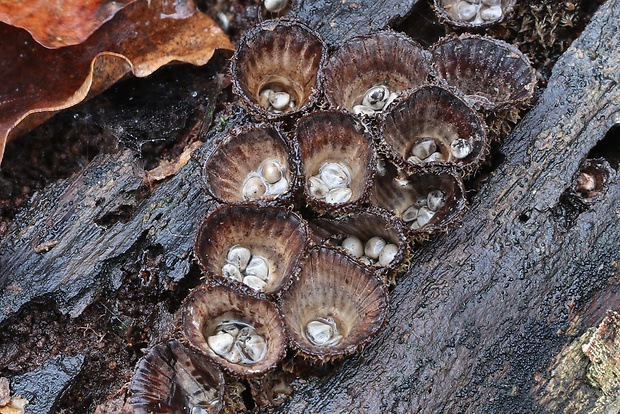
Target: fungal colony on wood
352, 158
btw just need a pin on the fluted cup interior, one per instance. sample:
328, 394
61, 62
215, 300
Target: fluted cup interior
332, 285
278, 235
278, 55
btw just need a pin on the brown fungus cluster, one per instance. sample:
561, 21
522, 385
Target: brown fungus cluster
352, 157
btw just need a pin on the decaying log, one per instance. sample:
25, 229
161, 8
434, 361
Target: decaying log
482, 312
77, 247
482, 316
76, 238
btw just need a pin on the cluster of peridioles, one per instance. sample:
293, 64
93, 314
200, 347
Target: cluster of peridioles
473, 14
290, 271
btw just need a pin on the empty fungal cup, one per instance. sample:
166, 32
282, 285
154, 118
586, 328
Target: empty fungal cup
493, 75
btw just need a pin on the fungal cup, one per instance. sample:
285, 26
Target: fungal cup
335, 307
494, 75
431, 126
427, 202
241, 333
592, 177
353, 232
252, 164
275, 69
336, 161
264, 245
473, 14
171, 379
385, 63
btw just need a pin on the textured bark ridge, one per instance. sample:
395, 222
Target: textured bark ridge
77, 237
491, 317
47, 383
477, 320
338, 21
73, 240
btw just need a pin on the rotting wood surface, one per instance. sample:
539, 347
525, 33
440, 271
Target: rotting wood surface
482, 312
338, 21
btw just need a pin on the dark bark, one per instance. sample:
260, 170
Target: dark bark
46, 384
337, 21
476, 321
72, 241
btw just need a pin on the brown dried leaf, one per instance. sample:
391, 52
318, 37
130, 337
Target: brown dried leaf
37, 82
60, 23
167, 168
